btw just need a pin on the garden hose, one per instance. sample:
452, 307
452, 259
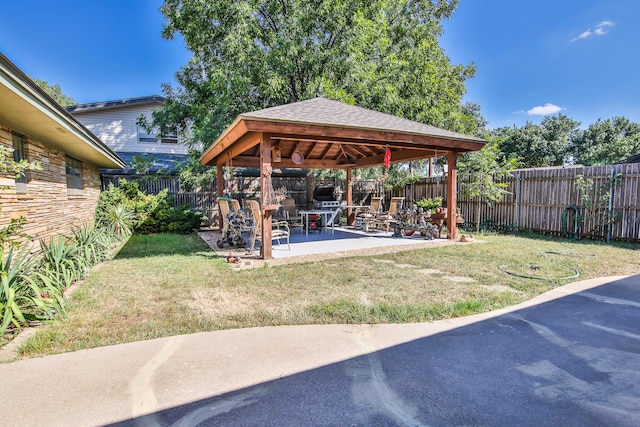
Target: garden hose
567, 252
565, 215
573, 276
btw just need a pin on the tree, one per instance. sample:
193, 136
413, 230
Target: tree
607, 141
55, 92
546, 144
248, 55
480, 171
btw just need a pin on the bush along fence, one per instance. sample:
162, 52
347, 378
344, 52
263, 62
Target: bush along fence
242, 188
598, 202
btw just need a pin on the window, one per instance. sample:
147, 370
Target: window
73, 169
146, 137
19, 153
166, 136
169, 136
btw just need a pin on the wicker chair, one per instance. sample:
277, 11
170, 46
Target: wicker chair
385, 219
368, 217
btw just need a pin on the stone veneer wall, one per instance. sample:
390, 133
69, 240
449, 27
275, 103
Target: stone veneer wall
47, 205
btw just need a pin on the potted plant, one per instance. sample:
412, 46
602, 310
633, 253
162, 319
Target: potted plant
430, 205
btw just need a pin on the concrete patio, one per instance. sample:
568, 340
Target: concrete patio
341, 242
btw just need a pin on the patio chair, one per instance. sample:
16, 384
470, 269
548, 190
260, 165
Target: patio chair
385, 219
368, 217
279, 229
290, 212
225, 210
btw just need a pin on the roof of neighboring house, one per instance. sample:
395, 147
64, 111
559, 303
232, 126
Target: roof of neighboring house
632, 159
170, 163
162, 161
330, 134
126, 102
28, 109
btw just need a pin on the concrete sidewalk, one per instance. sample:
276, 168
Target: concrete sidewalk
110, 384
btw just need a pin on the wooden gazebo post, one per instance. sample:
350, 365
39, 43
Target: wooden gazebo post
349, 189
265, 179
220, 191
452, 182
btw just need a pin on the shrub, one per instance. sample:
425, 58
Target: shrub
127, 209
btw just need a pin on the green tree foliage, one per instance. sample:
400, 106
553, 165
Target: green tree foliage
55, 92
480, 172
248, 55
607, 141
546, 144
193, 175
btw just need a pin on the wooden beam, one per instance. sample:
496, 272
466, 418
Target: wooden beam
236, 132
246, 142
396, 157
350, 213
452, 182
303, 131
326, 150
220, 192
356, 142
265, 215
254, 162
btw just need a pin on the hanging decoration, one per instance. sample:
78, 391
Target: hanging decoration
387, 158
297, 157
387, 164
271, 200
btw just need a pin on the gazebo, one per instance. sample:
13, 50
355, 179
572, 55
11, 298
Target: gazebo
325, 134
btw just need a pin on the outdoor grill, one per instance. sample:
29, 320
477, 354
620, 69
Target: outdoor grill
324, 198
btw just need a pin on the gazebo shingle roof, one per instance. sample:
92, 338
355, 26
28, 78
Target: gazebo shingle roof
326, 112
332, 135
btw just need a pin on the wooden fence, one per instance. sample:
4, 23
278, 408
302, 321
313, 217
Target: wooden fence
541, 200
547, 201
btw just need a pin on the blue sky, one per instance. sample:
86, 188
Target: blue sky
532, 57
579, 57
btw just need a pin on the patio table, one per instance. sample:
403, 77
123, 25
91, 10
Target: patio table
327, 215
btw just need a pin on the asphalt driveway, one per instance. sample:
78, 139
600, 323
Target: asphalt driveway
564, 359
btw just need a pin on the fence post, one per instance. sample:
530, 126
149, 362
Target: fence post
610, 214
517, 202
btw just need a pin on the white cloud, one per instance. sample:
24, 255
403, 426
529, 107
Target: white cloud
544, 110
598, 30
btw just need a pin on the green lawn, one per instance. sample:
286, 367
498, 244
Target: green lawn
162, 285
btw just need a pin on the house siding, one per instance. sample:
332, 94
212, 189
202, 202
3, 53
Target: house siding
117, 128
48, 206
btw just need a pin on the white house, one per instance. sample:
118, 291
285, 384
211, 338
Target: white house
115, 123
